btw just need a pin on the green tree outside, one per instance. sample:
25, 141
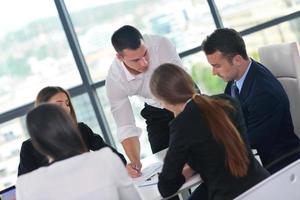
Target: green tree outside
209, 84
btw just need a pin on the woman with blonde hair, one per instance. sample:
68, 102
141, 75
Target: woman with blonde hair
207, 136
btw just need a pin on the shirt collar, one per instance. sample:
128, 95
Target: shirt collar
129, 76
239, 83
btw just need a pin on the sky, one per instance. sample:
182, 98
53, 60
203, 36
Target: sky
15, 14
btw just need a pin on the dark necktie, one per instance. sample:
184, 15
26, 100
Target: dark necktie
234, 90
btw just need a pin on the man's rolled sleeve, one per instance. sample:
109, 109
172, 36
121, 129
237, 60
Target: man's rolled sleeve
121, 110
125, 132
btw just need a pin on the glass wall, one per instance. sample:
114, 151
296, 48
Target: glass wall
12, 134
242, 14
85, 112
284, 32
35, 52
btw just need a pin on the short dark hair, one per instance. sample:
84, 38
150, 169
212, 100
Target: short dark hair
126, 37
46, 93
53, 132
228, 41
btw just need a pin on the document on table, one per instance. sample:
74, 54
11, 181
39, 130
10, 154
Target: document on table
149, 175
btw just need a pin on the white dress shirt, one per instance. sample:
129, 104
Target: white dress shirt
121, 84
92, 175
240, 82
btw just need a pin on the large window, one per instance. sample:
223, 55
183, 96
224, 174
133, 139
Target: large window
12, 133
85, 112
34, 52
242, 14
182, 21
284, 32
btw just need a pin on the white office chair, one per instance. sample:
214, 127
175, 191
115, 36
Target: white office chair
283, 61
284, 184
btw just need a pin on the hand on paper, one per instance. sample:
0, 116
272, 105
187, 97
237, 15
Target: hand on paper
134, 169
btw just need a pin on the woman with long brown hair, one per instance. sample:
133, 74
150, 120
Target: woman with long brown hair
73, 172
31, 159
207, 136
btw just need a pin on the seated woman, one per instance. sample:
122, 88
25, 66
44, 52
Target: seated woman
30, 159
207, 136
74, 172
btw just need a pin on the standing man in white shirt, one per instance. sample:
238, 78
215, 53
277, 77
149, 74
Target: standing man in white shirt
137, 56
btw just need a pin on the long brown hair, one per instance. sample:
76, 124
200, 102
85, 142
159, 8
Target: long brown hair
54, 134
48, 92
173, 85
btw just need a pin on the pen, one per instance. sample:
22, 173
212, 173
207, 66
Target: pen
149, 179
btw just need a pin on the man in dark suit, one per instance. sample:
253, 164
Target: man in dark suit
264, 102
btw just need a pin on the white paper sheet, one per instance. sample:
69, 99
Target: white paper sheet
149, 175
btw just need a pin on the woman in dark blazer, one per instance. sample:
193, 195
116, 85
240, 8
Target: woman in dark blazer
207, 137
31, 159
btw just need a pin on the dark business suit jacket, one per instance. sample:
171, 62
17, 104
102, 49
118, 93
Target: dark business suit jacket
267, 114
192, 142
31, 159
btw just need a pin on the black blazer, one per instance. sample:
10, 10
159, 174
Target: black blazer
31, 159
192, 142
267, 114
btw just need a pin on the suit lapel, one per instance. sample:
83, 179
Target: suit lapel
248, 82
247, 85
228, 88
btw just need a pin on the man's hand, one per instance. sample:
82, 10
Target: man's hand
132, 148
134, 169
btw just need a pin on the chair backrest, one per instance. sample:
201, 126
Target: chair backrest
285, 184
283, 61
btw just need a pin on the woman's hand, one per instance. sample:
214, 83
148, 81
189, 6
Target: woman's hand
187, 172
